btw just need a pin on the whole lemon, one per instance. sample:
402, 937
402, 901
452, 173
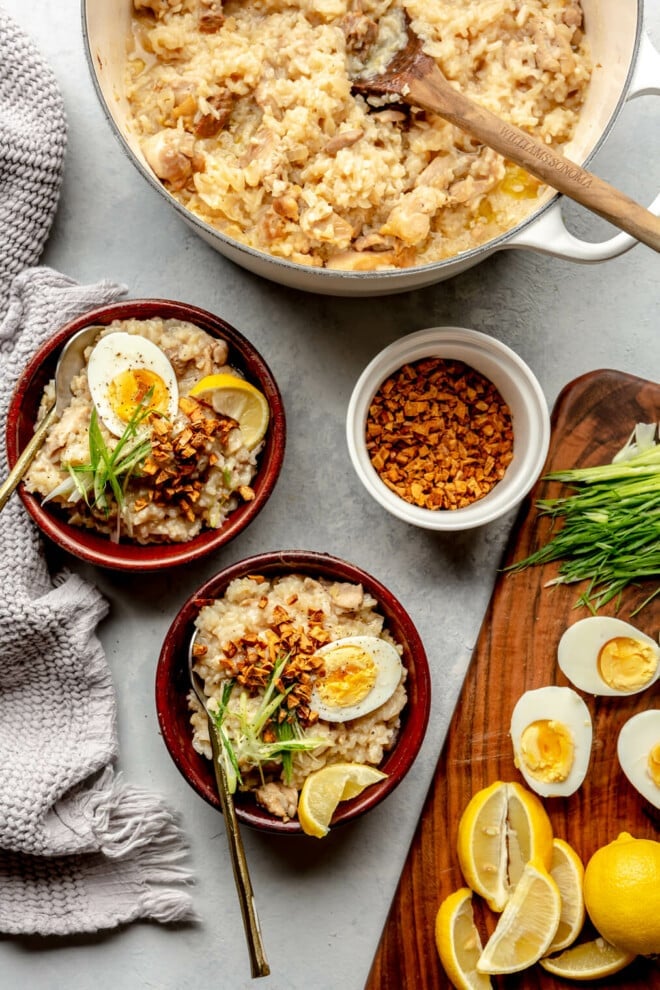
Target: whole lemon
622, 893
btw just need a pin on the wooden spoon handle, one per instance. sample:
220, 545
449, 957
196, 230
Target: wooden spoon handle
433, 92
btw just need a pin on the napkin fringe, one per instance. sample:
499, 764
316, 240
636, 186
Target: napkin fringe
167, 906
124, 818
132, 824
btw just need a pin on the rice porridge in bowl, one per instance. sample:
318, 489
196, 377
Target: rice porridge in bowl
304, 668
246, 114
266, 632
169, 441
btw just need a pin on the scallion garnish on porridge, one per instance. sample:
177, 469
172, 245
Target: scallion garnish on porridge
271, 733
108, 471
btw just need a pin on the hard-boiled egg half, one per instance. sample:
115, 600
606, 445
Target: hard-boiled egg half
122, 370
638, 749
551, 734
359, 674
607, 656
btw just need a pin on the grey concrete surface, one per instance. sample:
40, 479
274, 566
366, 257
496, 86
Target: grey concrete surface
322, 904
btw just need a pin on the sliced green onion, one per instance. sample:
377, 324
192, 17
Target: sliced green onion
244, 744
107, 469
610, 524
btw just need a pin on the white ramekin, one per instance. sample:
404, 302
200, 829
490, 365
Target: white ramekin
518, 387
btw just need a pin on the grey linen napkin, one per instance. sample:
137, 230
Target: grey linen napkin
81, 850
32, 148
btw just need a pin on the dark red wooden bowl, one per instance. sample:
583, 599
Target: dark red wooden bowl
172, 684
95, 547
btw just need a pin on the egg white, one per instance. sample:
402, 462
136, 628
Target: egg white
388, 675
636, 739
577, 653
561, 704
118, 352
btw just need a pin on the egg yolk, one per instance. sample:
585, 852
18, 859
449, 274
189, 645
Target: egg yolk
349, 675
131, 387
654, 764
626, 664
547, 749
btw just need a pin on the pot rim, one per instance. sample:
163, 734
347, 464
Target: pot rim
481, 252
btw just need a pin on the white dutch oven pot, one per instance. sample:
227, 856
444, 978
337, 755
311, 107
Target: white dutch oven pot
626, 66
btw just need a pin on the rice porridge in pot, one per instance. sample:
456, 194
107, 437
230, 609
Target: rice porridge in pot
245, 113
301, 672
177, 465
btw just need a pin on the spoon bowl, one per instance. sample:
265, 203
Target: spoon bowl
414, 78
70, 363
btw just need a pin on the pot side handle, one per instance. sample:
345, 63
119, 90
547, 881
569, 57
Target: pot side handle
549, 234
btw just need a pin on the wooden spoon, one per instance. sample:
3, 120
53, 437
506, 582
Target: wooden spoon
415, 78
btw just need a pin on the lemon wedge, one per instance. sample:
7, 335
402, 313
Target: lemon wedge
588, 961
502, 827
325, 788
527, 925
458, 943
238, 398
567, 871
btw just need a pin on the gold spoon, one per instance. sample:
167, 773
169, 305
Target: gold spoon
70, 362
414, 77
258, 963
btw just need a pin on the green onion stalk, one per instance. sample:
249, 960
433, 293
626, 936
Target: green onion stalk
108, 471
245, 745
609, 533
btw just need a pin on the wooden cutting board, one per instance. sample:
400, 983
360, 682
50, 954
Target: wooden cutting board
516, 651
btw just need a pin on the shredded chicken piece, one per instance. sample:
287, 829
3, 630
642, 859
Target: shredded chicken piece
263, 161
210, 16
287, 207
344, 139
347, 596
279, 799
372, 242
169, 152
391, 116
410, 220
212, 123
329, 227
360, 31
547, 53
439, 172
572, 15
471, 189
274, 224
